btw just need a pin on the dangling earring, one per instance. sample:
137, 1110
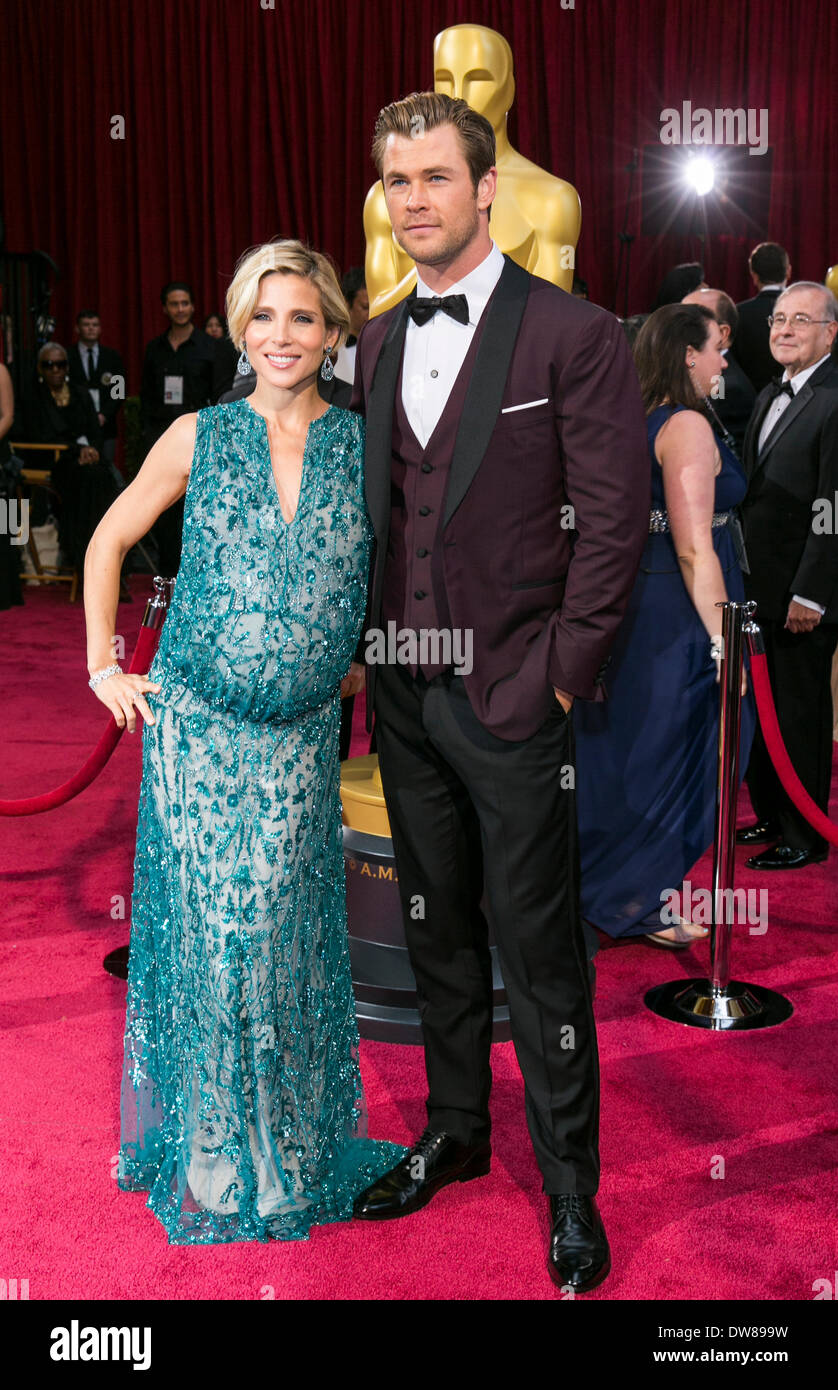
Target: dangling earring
243, 365
327, 371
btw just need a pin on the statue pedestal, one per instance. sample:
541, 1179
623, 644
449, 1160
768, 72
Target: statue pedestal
384, 984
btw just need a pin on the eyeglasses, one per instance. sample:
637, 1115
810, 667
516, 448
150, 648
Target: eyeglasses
53, 366
798, 320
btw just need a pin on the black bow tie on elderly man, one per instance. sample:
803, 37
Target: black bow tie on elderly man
423, 308
781, 388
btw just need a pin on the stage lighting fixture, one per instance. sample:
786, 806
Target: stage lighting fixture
700, 174
719, 190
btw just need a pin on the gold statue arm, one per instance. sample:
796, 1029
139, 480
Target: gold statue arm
390, 274
557, 220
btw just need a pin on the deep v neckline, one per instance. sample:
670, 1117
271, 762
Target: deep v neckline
277, 500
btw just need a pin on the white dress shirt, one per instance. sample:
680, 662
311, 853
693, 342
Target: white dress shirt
90, 361
435, 352
779, 404
345, 365
773, 414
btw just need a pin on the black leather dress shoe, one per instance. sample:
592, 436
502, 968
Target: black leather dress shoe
578, 1257
785, 857
433, 1162
760, 834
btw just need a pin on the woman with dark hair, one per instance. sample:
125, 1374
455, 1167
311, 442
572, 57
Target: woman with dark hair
59, 412
681, 280
215, 327
647, 755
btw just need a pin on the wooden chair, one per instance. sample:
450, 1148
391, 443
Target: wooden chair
40, 477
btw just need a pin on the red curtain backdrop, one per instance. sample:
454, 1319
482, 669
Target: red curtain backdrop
243, 122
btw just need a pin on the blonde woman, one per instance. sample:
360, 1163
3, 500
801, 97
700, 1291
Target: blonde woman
242, 1105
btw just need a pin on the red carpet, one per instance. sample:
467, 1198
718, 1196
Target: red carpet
675, 1102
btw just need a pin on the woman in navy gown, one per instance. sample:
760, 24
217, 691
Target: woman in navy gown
646, 757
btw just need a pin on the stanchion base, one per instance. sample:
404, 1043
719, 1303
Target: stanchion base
695, 1004
116, 963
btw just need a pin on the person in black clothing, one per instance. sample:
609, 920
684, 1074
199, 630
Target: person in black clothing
681, 280
10, 592
98, 369
770, 271
58, 412
215, 326
354, 289
791, 459
733, 399
182, 372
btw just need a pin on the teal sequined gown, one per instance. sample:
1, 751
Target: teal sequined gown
242, 1107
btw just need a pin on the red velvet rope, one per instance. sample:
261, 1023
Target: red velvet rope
778, 755
141, 661
31, 805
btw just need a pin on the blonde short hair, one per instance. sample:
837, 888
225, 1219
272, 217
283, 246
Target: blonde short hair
288, 258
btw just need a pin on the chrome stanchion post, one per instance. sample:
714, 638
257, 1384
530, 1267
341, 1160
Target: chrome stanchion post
722, 1003
116, 961
727, 789
158, 604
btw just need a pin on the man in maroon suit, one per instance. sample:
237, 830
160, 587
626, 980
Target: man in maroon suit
508, 483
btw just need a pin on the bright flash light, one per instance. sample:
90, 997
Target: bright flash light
700, 175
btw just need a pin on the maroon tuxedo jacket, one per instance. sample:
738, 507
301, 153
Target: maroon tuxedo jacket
543, 601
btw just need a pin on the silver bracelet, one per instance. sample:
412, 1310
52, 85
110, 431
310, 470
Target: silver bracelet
99, 676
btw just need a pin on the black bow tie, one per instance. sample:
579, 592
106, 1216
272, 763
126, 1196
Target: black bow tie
781, 388
422, 310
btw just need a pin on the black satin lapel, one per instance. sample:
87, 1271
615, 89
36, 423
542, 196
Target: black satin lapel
751, 450
485, 390
789, 415
379, 415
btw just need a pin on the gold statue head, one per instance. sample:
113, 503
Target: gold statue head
831, 280
475, 63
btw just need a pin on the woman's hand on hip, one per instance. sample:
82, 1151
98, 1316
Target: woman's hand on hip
124, 695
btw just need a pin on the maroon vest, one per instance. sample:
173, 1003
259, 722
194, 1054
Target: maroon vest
414, 594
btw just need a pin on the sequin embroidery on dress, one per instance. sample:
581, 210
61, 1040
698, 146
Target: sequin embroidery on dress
242, 1109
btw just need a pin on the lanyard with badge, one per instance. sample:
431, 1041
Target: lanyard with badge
173, 386
172, 390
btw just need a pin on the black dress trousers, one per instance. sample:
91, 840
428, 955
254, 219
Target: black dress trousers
469, 810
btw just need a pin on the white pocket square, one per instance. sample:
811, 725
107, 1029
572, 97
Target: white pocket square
527, 405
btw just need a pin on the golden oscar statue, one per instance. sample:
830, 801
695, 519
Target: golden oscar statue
535, 216
831, 280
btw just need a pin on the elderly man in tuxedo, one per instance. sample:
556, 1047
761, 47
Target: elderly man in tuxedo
789, 516
507, 480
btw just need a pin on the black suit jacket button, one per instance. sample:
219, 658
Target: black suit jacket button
424, 511
419, 593
421, 552
427, 468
